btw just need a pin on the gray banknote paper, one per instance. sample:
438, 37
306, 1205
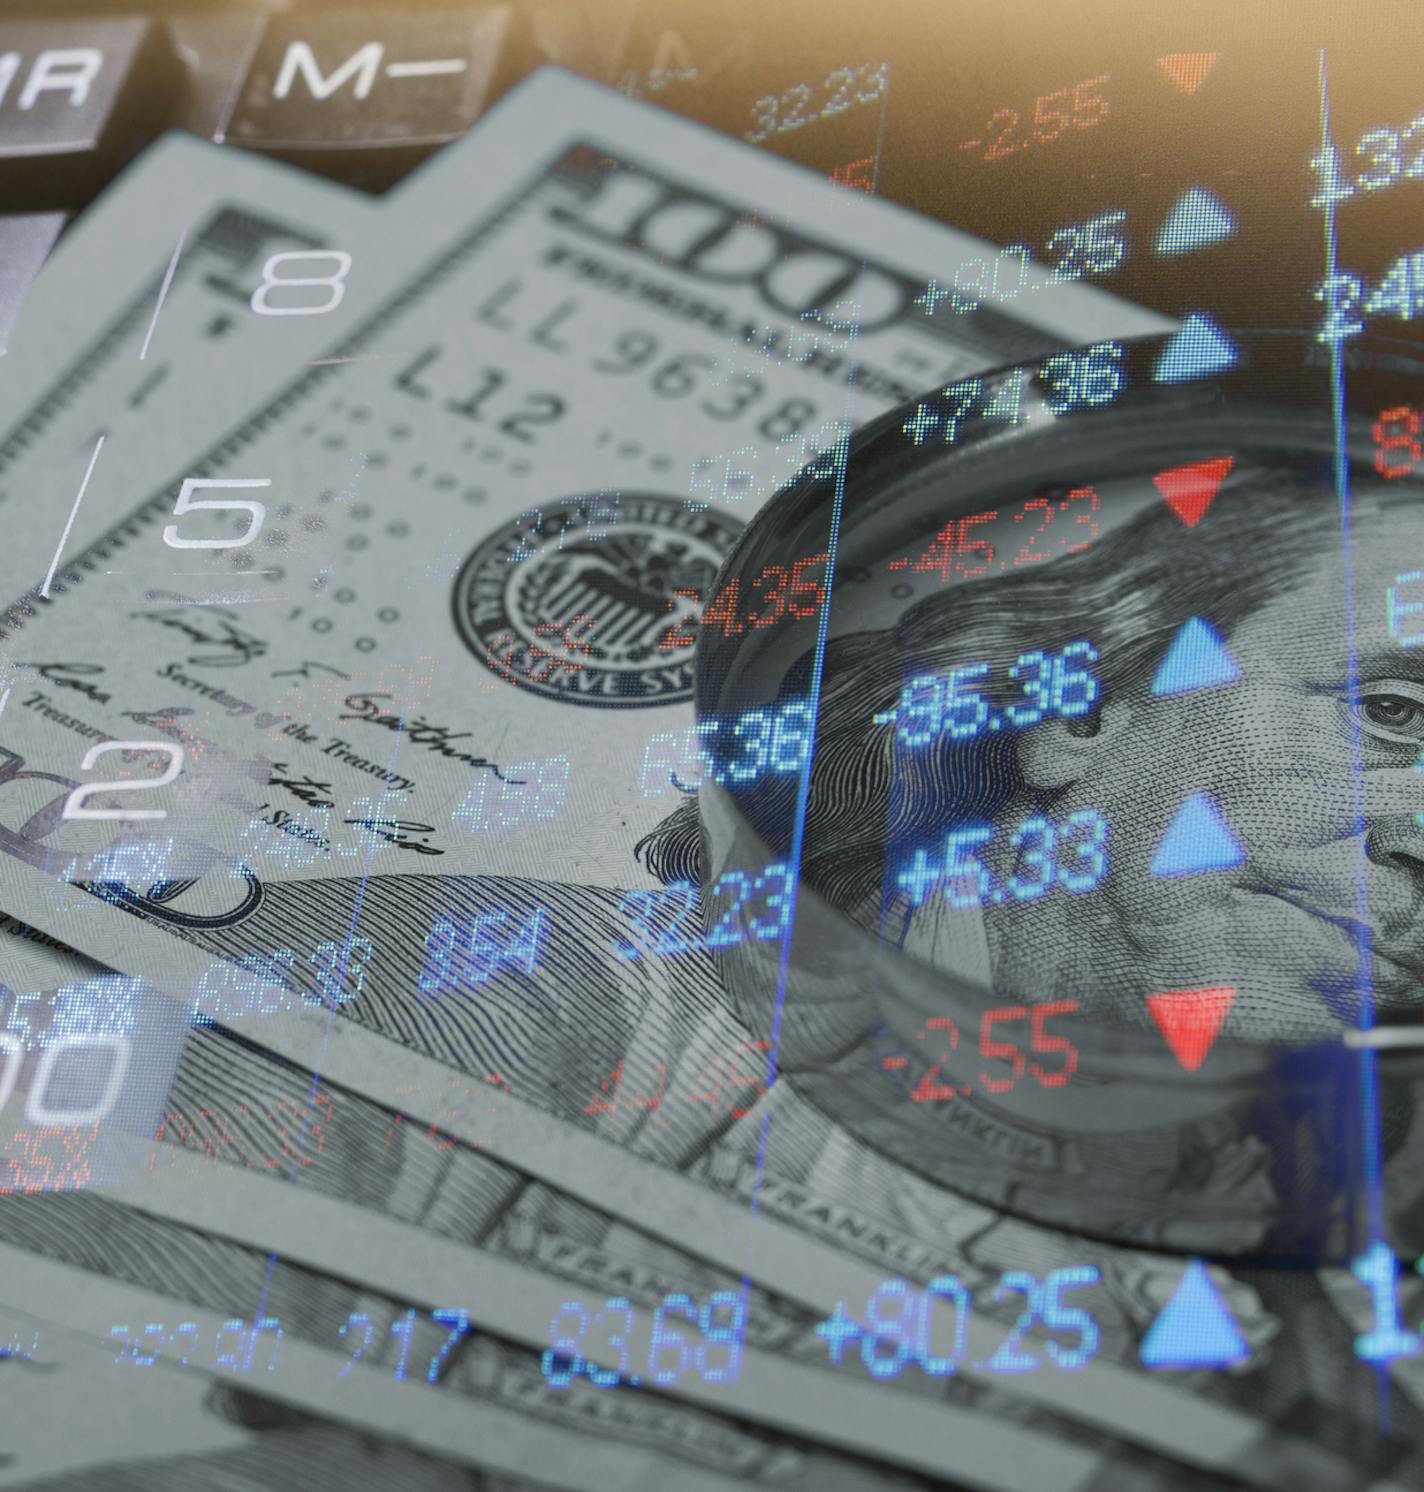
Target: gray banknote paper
566, 375
140, 329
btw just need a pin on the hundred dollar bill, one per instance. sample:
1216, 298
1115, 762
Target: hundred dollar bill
494, 1028
142, 330
381, 1210
184, 1417
235, 1107
516, 513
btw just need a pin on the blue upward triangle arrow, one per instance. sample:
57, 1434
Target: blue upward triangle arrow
1195, 1329
1197, 220
1198, 658
1199, 348
1197, 840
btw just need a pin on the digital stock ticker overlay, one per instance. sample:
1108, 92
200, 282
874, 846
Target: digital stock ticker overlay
711, 727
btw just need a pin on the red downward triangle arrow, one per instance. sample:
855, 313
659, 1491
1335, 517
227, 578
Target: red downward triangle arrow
1188, 70
1191, 489
1190, 1020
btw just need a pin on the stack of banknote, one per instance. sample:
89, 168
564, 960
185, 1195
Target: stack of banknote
534, 1211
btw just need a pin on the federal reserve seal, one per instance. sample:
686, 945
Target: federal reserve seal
593, 599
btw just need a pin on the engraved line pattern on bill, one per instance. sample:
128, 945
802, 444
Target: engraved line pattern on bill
484, 1435
229, 243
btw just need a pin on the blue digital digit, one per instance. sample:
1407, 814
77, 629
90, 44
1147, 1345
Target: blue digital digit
1038, 859
943, 1286
1398, 609
469, 813
637, 906
698, 762
662, 1338
1073, 691
958, 863
1007, 1357
791, 737
435, 977
514, 797
1092, 376
1085, 834
1069, 1318
189, 1329
777, 901
1038, 689
897, 1331
522, 950
233, 1359
485, 951
956, 701
612, 1377
658, 760
754, 762
562, 1361
919, 720
459, 1323
553, 786
727, 929
919, 878
1377, 1270
361, 1319
730, 1334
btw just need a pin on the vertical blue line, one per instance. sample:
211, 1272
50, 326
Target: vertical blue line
803, 781
1366, 1058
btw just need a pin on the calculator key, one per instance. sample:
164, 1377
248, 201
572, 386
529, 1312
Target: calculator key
25, 241
78, 97
363, 94
215, 48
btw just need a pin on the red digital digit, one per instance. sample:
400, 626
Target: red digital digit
1001, 1050
800, 587
1040, 1041
981, 547
1079, 495
852, 174
939, 555
1397, 430
1000, 147
780, 579
77, 1172
929, 1089
1042, 116
723, 610
675, 636
1028, 555
24, 1173
1089, 108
